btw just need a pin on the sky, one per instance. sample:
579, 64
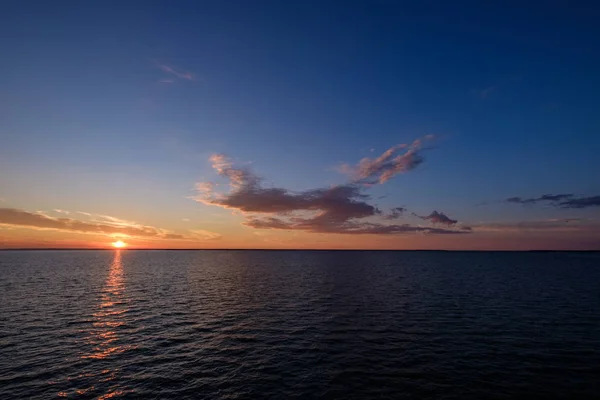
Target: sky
383, 124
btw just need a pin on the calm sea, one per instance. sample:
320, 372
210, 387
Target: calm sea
299, 325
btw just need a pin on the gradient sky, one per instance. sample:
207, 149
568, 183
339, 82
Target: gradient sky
115, 115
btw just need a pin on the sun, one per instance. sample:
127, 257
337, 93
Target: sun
119, 244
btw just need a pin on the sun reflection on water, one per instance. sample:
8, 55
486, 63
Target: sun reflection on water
105, 335
106, 318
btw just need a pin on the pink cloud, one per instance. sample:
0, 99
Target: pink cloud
337, 209
396, 160
179, 74
12, 217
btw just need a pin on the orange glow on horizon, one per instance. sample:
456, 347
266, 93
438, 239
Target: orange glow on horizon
119, 244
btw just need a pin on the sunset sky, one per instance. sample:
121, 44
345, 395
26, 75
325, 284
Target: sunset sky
300, 124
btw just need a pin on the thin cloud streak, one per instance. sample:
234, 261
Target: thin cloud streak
487, 92
565, 200
179, 74
548, 225
13, 217
205, 235
396, 160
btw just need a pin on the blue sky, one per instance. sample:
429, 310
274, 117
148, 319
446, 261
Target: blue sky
97, 106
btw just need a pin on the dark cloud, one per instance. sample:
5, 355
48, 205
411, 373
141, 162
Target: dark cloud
337, 209
566, 200
20, 218
438, 218
581, 202
349, 227
544, 198
396, 213
547, 225
555, 197
337, 203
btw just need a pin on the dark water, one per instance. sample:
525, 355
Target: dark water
281, 325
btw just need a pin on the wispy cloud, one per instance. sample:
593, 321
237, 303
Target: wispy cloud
487, 91
347, 227
338, 209
205, 235
396, 213
107, 225
396, 160
61, 211
565, 200
177, 73
547, 225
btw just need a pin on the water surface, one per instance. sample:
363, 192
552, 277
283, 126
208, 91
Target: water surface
299, 324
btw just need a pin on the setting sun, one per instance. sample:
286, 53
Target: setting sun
119, 244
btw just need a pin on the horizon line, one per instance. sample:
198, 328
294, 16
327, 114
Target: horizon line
290, 249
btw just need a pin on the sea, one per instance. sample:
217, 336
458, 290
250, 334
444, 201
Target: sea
221, 324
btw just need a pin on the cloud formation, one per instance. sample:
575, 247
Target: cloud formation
565, 200
581, 202
396, 213
205, 235
346, 227
338, 209
104, 225
437, 218
547, 225
179, 74
396, 160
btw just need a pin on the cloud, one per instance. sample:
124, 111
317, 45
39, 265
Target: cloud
396, 160
547, 225
205, 235
581, 202
395, 213
113, 226
337, 209
543, 198
486, 92
179, 74
61, 211
565, 200
345, 227
166, 81
438, 218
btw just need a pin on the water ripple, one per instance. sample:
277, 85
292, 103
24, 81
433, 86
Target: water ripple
299, 325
